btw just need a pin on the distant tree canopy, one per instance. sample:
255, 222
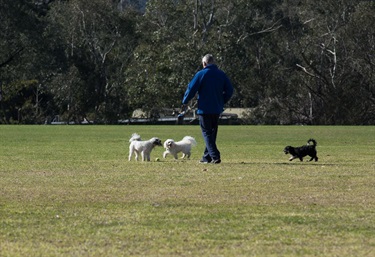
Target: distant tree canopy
291, 62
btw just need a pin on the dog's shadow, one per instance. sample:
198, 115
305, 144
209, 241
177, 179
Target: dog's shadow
290, 163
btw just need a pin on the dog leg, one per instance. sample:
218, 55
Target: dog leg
136, 155
130, 155
146, 155
175, 156
187, 155
295, 157
165, 154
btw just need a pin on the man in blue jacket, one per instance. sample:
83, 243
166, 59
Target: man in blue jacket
214, 90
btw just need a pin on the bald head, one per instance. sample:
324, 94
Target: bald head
207, 59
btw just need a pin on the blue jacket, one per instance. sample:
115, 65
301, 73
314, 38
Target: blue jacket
213, 87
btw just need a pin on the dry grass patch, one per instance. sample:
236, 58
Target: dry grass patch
69, 190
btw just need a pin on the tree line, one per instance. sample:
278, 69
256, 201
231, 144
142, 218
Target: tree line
290, 61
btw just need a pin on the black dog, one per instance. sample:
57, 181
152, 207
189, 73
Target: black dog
300, 152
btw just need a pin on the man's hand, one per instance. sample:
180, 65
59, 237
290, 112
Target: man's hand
183, 107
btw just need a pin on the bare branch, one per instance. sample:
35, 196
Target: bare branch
308, 21
307, 72
272, 28
12, 56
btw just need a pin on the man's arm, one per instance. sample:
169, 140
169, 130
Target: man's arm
191, 90
228, 91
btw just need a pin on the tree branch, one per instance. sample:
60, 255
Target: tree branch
272, 28
12, 56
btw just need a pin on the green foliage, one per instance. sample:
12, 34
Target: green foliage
96, 40
307, 62
24, 102
70, 190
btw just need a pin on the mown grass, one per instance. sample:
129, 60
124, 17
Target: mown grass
70, 191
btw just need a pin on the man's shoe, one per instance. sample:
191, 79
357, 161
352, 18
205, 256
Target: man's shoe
203, 161
216, 161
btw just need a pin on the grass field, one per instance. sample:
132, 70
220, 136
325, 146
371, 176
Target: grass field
70, 191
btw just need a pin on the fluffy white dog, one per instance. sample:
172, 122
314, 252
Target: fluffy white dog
184, 146
137, 146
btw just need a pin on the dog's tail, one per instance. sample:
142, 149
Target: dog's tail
135, 137
191, 140
312, 140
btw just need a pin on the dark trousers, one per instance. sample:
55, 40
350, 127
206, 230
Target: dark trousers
209, 126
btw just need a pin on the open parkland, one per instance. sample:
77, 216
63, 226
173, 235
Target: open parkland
70, 191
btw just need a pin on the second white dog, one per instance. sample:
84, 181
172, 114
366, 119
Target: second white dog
142, 147
184, 146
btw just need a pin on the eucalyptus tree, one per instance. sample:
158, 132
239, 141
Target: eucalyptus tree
158, 73
254, 56
313, 63
174, 37
21, 62
248, 38
358, 66
333, 85
97, 41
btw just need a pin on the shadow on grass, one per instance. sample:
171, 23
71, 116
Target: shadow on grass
290, 163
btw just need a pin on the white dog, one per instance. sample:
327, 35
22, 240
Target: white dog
143, 147
184, 146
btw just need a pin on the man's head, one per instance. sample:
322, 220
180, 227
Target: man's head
207, 59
